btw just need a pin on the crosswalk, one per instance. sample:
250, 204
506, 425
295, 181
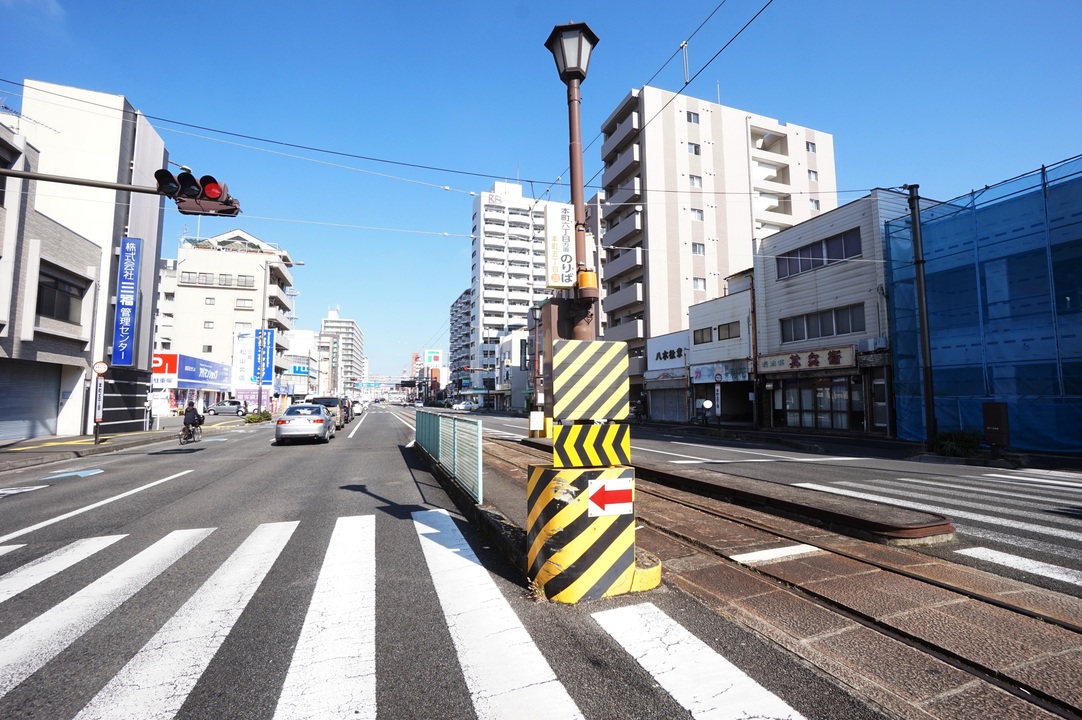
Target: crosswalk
1033, 513
333, 669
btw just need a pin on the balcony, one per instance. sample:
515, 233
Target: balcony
627, 228
497, 216
620, 136
498, 255
629, 260
496, 268
624, 164
520, 244
494, 307
629, 295
626, 331
629, 192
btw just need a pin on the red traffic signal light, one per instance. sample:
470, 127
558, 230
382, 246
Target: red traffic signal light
211, 189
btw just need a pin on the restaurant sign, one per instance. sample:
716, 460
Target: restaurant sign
809, 360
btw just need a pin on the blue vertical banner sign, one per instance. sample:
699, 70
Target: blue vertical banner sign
263, 372
127, 293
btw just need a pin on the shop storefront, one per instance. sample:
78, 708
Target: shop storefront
827, 389
727, 385
178, 379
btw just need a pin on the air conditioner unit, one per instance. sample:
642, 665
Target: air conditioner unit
872, 344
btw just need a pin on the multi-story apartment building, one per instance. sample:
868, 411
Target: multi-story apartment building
48, 276
101, 137
509, 274
217, 297
689, 185
459, 350
347, 352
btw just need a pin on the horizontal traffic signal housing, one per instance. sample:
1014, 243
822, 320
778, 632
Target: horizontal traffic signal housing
203, 196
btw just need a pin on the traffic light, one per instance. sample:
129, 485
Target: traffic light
205, 196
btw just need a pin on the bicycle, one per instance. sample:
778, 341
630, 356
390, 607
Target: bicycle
190, 434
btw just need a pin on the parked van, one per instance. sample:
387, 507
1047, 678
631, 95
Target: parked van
333, 405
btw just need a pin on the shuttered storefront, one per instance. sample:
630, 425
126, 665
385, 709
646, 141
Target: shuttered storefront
29, 398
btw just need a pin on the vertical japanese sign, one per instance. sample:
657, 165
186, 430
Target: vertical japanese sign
127, 292
263, 372
560, 251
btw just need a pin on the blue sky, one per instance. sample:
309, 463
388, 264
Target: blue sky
420, 103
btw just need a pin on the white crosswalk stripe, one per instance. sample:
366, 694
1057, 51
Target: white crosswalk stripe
155, 682
331, 671
27, 649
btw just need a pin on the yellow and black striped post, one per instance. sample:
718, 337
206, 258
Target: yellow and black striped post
581, 522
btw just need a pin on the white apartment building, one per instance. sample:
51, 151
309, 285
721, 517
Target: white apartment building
509, 271
220, 287
346, 342
459, 350
690, 184
102, 137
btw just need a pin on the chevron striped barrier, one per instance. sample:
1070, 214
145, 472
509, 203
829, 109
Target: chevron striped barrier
580, 534
591, 445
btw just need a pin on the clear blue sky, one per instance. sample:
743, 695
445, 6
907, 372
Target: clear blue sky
953, 95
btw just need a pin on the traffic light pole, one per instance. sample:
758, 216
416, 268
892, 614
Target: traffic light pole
42, 177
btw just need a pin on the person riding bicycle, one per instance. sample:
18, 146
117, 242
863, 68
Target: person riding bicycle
191, 418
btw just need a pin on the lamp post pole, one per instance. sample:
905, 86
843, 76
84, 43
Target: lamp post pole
571, 46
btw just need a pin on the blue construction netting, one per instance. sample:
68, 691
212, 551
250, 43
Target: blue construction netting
1003, 287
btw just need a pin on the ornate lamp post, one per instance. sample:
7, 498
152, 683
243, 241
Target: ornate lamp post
571, 46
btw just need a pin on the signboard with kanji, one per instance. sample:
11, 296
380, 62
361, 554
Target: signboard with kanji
844, 356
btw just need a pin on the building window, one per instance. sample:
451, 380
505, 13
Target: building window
695, 180
208, 301
59, 297
813, 175
225, 279
208, 324
245, 280
821, 252
206, 278
727, 331
696, 214
170, 297
167, 344
809, 146
698, 248
704, 335
695, 149
825, 323
244, 304
208, 348
693, 117
814, 203
698, 283
188, 277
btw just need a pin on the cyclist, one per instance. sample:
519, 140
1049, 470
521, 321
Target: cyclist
191, 419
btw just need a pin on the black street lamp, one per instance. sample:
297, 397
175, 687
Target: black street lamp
571, 46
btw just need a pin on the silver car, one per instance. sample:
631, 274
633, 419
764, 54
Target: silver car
305, 421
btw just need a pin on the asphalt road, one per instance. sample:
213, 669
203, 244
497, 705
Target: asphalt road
234, 578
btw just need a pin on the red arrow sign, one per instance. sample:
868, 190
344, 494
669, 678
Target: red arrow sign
602, 496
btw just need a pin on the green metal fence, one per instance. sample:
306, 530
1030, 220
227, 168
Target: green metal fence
455, 444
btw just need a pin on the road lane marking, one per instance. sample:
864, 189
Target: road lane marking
962, 514
92, 506
157, 680
5, 549
25, 651
1034, 567
697, 677
508, 677
765, 556
333, 670
1069, 551
354, 431
5, 492
45, 567
1023, 480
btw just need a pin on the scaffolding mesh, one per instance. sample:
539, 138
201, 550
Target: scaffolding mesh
1003, 288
